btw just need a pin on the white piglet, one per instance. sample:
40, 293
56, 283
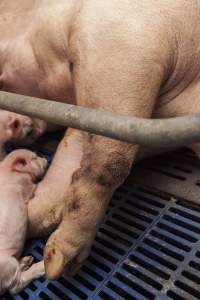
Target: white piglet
18, 172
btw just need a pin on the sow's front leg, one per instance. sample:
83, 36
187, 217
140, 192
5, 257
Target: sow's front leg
123, 86
105, 165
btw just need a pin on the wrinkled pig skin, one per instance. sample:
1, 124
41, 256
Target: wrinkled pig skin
18, 128
134, 57
18, 171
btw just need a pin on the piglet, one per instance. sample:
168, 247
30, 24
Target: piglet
18, 172
18, 128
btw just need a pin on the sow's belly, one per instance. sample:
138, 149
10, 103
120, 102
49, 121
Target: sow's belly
23, 73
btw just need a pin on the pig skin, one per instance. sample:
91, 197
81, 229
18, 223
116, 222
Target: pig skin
18, 128
18, 172
133, 57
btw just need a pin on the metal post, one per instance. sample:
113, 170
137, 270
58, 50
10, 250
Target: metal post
172, 132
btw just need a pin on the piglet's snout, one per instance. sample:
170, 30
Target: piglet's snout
37, 128
44, 163
40, 165
40, 126
27, 131
31, 129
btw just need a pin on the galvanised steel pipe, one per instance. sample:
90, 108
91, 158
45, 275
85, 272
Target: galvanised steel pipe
172, 132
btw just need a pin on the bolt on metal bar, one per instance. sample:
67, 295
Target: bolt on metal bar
172, 132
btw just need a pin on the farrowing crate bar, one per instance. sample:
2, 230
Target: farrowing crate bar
157, 132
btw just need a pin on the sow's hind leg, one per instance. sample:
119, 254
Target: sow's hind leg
186, 104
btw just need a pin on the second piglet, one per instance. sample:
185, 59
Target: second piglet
18, 172
18, 128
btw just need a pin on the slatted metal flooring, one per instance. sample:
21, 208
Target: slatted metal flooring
148, 246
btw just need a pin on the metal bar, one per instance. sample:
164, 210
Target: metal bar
172, 132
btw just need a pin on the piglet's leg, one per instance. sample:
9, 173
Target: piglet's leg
24, 278
9, 273
25, 263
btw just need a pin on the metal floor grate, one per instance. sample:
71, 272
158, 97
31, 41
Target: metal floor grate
147, 248
176, 173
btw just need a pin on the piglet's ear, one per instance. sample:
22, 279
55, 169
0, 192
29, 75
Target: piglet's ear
13, 127
21, 165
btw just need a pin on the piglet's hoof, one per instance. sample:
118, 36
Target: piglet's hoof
26, 262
